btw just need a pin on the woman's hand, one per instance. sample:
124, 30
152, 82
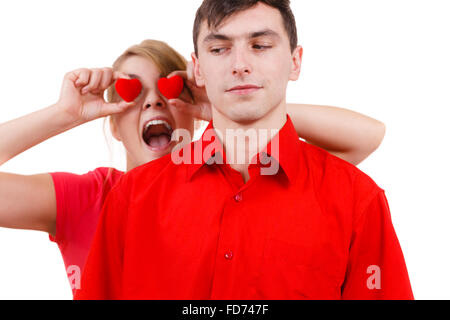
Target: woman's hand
193, 100
82, 94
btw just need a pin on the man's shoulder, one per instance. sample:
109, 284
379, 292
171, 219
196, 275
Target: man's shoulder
340, 174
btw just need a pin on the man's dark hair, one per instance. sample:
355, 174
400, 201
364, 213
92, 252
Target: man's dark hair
215, 11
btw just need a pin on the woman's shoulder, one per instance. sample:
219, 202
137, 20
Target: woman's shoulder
100, 179
79, 199
106, 176
107, 173
151, 168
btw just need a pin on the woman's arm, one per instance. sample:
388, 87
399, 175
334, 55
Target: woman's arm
27, 131
28, 201
347, 134
77, 104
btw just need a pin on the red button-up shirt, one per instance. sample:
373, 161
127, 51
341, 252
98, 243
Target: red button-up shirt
317, 229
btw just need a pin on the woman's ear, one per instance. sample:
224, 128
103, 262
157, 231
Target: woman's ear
199, 80
296, 63
113, 126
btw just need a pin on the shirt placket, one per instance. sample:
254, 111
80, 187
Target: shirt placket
228, 252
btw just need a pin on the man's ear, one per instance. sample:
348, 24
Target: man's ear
113, 127
296, 63
199, 80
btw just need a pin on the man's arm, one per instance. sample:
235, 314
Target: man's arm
102, 275
376, 267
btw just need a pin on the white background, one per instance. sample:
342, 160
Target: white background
388, 59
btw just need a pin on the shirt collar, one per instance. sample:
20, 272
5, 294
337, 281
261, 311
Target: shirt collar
283, 148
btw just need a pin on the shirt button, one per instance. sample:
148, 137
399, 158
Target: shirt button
238, 197
265, 159
229, 255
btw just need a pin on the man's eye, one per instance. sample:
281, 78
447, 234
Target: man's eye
260, 47
217, 50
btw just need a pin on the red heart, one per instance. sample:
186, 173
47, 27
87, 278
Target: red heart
128, 89
171, 88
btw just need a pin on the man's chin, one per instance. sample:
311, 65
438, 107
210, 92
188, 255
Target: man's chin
243, 113
244, 118
248, 115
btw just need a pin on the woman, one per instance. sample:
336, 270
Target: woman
67, 206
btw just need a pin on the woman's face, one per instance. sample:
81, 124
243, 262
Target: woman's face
145, 129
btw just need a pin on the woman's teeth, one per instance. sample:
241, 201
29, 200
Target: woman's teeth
154, 122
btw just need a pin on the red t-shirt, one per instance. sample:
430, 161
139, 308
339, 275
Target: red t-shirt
317, 229
79, 200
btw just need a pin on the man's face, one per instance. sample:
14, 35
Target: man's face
246, 64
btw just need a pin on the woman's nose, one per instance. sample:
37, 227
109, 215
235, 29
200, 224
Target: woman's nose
154, 103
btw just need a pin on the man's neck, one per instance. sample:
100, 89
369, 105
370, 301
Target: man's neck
242, 141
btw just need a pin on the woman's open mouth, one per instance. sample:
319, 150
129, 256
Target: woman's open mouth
157, 134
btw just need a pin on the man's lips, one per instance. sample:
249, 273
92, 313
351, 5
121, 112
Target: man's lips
244, 89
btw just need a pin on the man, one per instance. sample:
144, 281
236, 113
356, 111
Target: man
290, 221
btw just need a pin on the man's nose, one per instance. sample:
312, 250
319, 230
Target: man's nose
241, 63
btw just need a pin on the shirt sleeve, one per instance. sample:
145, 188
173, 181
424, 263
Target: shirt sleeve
102, 275
74, 195
376, 268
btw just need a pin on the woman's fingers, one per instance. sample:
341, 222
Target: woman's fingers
180, 73
120, 75
195, 111
118, 107
107, 79
186, 75
94, 81
190, 71
182, 106
83, 76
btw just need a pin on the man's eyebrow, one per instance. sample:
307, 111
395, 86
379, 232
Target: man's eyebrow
263, 33
218, 36
215, 36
